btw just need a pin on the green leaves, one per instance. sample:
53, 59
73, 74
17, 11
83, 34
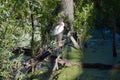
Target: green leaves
83, 19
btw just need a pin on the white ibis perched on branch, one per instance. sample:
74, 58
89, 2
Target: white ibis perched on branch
58, 31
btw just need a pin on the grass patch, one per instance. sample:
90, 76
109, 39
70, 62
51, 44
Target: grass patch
70, 73
72, 55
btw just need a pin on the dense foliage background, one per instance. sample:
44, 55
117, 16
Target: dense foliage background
29, 23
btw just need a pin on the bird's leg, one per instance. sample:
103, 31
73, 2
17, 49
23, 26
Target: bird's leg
59, 44
60, 39
56, 63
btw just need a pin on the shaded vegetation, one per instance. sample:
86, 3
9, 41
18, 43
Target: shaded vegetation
26, 27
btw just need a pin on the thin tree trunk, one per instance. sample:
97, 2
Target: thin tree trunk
113, 38
69, 11
76, 45
33, 29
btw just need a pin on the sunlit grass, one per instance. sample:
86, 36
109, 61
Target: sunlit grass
73, 72
74, 55
70, 73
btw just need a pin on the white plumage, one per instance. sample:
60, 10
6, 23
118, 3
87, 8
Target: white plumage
59, 29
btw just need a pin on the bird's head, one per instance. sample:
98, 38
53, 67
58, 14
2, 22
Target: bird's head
62, 24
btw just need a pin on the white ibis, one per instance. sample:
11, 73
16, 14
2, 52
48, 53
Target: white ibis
58, 31
59, 28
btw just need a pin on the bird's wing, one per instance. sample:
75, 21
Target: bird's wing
58, 29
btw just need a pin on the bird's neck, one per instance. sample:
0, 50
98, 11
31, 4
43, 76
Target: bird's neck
61, 24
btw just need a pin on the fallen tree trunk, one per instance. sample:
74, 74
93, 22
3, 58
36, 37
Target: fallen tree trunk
65, 62
100, 66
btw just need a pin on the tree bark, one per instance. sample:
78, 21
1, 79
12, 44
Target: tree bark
76, 45
33, 30
69, 11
